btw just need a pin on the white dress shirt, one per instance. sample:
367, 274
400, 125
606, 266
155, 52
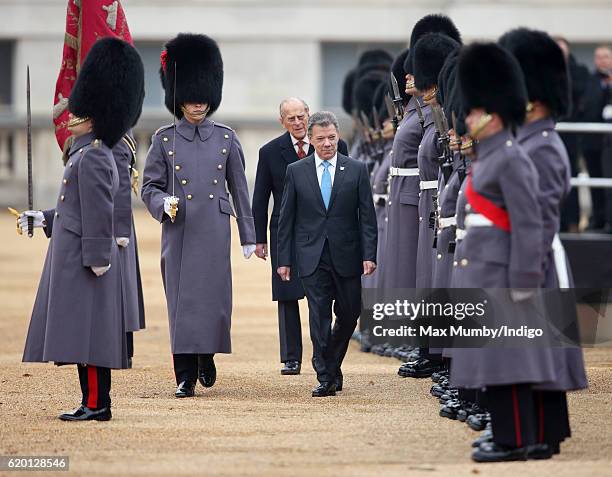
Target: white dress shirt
305, 147
331, 168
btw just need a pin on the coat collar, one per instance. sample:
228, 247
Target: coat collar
536, 127
81, 141
311, 175
487, 146
190, 131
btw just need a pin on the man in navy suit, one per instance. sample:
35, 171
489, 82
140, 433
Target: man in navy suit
274, 157
327, 216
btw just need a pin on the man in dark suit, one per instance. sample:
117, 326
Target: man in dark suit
274, 157
327, 214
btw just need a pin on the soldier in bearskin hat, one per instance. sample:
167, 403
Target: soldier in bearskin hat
502, 247
190, 167
548, 89
78, 316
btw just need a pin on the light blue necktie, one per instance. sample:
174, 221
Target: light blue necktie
326, 184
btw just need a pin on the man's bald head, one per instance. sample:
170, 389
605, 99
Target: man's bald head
294, 114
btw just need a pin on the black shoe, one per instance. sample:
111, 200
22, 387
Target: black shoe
478, 422
421, 368
324, 389
540, 452
185, 389
291, 368
339, 381
86, 414
450, 409
207, 371
492, 452
486, 436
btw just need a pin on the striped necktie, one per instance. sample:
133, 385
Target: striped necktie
300, 151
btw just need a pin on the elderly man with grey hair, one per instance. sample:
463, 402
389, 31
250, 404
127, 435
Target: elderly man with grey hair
274, 157
327, 235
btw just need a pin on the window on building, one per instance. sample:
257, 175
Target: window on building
6, 74
149, 52
337, 60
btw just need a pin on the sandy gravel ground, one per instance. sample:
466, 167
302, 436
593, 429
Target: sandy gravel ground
254, 421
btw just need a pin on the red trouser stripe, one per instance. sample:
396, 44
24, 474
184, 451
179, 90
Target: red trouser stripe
92, 387
541, 417
498, 215
517, 417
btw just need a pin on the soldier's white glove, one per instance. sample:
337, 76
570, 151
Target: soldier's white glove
99, 271
122, 241
167, 201
518, 295
39, 220
248, 249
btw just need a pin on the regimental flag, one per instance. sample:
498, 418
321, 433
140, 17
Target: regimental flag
86, 22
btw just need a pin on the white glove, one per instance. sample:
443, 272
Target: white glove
122, 241
518, 295
39, 219
167, 201
248, 249
99, 271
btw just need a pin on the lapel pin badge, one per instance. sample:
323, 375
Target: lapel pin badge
341, 168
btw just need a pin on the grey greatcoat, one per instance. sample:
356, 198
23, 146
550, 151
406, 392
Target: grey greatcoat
491, 257
195, 249
428, 172
400, 249
447, 200
380, 181
547, 151
131, 283
77, 316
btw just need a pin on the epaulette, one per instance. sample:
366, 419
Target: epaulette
131, 144
221, 125
163, 128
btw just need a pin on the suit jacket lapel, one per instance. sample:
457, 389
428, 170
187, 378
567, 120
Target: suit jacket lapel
338, 178
287, 149
311, 175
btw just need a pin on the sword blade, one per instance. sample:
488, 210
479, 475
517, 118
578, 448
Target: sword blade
29, 141
419, 111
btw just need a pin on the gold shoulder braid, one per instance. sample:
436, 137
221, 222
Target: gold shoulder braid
131, 144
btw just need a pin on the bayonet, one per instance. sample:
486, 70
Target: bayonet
391, 111
29, 141
398, 102
380, 140
419, 111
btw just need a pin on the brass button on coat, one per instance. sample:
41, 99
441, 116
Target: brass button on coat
165, 139
178, 168
184, 181
211, 196
464, 262
62, 198
189, 197
171, 153
65, 181
215, 181
219, 167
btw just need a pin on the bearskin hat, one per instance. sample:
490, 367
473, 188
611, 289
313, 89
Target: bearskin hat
365, 88
347, 92
544, 68
434, 23
430, 52
199, 72
489, 77
109, 89
397, 70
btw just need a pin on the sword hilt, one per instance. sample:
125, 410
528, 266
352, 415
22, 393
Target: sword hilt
30, 226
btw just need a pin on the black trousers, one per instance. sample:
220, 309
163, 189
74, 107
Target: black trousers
521, 416
324, 287
186, 366
570, 210
95, 386
290, 331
